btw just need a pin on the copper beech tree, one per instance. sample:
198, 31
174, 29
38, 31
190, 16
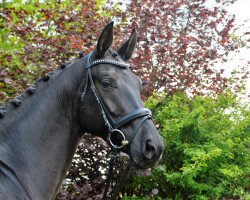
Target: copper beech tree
179, 43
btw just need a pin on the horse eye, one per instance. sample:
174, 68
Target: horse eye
106, 82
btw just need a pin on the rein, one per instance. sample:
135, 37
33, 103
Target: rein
112, 126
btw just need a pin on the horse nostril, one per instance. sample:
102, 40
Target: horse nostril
150, 146
150, 149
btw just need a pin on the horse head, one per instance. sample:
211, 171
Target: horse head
116, 112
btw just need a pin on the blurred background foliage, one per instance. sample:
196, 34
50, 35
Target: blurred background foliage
205, 127
206, 152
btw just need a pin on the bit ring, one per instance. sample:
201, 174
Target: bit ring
124, 141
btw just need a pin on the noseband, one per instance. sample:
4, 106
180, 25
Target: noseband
112, 126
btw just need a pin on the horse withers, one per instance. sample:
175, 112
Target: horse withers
40, 130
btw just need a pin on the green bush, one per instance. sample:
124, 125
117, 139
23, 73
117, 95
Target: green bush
206, 152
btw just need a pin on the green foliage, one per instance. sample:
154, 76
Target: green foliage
206, 152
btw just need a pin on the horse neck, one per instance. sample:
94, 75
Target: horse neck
40, 137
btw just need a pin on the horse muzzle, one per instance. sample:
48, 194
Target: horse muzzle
147, 148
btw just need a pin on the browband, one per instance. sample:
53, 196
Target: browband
104, 61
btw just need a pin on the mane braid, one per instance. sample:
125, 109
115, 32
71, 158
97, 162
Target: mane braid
17, 101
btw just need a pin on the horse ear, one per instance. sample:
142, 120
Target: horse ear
105, 40
128, 47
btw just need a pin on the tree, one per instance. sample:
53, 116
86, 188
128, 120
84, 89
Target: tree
206, 152
179, 42
36, 37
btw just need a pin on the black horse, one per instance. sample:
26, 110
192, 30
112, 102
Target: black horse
97, 94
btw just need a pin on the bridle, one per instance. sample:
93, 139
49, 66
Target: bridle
112, 126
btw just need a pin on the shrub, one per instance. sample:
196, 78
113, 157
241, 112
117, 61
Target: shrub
206, 152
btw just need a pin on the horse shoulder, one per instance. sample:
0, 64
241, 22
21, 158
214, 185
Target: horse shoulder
10, 188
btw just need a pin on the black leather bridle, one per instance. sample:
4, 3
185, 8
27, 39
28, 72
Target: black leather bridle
112, 126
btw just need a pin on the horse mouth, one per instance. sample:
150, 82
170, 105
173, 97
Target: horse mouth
140, 163
143, 164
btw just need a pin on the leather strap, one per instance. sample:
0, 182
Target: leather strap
104, 61
132, 116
